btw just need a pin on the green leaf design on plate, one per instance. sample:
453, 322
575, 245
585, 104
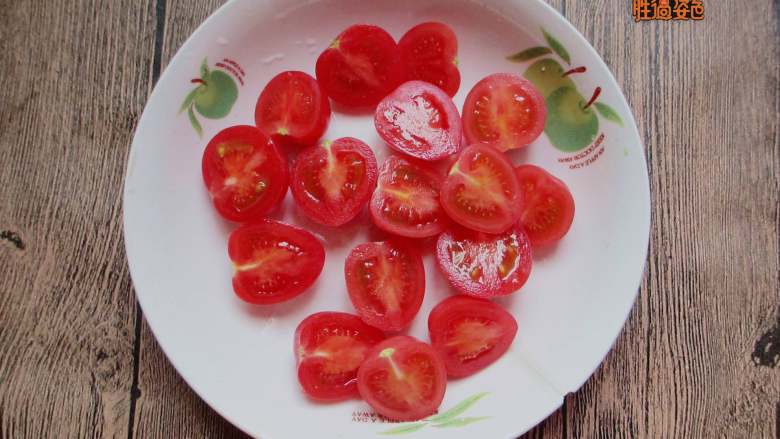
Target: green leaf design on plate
608, 113
194, 122
404, 429
529, 54
460, 422
188, 100
204, 69
458, 409
557, 47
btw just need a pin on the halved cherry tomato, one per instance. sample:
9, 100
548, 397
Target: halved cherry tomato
403, 379
430, 53
406, 199
332, 182
329, 349
386, 283
548, 207
481, 190
244, 172
504, 110
470, 334
273, 262
361, 66
485, 265
292, 109
420, 120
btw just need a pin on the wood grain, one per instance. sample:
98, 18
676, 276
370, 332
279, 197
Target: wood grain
698, 357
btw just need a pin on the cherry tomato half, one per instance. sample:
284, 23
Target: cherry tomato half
548, 207
273, 262
430, 53
420, 120
292, 109
504, 110
470, 334
329, 349
331, 182
403, 379
244, 172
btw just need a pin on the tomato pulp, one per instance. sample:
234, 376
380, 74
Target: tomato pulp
548, 206
430, 53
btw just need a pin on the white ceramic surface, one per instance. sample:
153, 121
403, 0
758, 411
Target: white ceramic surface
239, 359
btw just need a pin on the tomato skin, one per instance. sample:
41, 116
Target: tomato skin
501, 263
504, 110
292, 109
423, 375
386, 283
315, 180
483, 328
332, 375
420, 120
416, 212
548, 206
430, 53
481, 190
361, 66
273, 261
227, 156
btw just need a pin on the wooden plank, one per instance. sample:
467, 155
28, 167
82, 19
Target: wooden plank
75, 80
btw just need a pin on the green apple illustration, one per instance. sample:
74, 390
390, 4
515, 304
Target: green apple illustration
213, 98
548, 75
571, 124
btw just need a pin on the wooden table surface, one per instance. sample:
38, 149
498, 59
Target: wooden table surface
699, 354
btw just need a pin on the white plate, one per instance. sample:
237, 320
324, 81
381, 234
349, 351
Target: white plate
239, 359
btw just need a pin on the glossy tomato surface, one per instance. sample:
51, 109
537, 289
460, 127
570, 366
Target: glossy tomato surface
244, 173
332, 181
273, 262
420, 120
548, 207
484, 265
292, 109
504, 110
481, 191
329, 349
361, 66
406, 199
386, 283
470, 334
403, 378
430, 53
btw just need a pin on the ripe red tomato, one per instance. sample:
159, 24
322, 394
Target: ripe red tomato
406, 199
470, 334
430, 53
481, 190
386, 283
329, 349
273, 262
403, 379
332, 182
504, 110
361, 66
420, 120
292, 109
485, 265
548, 207
244, 172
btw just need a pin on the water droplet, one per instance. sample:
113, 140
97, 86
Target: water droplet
222, 41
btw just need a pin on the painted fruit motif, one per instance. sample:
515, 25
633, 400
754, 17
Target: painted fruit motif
213, 98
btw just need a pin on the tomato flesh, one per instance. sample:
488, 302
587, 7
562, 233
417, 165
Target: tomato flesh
329, 349
406, 199
386, 283
244, 173
548, 206
504, 110
403, 379
485, 265
361, 66
273, 262
332, 182
430, 53
470, 334
292, 109
420, 120
481, 191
